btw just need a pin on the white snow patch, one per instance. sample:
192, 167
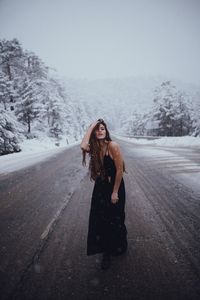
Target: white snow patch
183, 141
184, 170
192, 180
33, 151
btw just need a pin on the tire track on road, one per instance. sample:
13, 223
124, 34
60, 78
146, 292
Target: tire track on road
179, 222
44, 239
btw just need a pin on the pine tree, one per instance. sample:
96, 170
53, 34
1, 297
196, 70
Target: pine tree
195, 113
26, 108
182, 119
8, 135
170, 112
11, 57
4, 91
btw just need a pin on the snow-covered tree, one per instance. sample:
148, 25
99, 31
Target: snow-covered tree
34, 66
133, 124
8, 134
26, 108
182, 119
170, 112
11, 54
195, 113
11, 58
4, 91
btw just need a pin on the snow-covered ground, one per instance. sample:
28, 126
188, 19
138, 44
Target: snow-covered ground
33, 151
183, 141
183, 168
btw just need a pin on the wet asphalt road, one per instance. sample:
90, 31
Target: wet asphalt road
44, 214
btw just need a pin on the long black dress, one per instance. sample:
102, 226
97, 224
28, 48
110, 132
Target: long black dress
107, 231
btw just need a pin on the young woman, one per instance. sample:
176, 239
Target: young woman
107, 232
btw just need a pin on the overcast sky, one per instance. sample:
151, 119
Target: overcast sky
109, 38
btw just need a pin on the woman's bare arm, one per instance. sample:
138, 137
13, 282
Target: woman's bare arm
85, 141
118, 160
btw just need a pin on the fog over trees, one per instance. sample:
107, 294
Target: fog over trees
34, 103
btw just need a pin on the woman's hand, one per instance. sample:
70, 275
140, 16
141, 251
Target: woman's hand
114, 198
93, 124
85, 141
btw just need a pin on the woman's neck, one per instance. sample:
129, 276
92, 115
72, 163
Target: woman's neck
102, 143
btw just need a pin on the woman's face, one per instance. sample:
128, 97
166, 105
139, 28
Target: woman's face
100, 132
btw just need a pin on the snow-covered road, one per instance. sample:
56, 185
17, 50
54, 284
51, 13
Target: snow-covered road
182, 163
44, 218
178, 155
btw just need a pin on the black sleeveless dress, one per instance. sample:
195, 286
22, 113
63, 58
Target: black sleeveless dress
107, 231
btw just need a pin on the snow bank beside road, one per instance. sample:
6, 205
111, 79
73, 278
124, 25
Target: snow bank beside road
33, 151
183, 141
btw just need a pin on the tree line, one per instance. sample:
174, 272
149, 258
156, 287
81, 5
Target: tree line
173, 113
33, 102
30, 98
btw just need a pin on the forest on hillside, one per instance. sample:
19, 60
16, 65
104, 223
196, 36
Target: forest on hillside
34, 103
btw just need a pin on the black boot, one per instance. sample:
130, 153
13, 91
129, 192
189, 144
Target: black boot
106, 261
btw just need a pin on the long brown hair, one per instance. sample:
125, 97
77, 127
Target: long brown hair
96, 166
